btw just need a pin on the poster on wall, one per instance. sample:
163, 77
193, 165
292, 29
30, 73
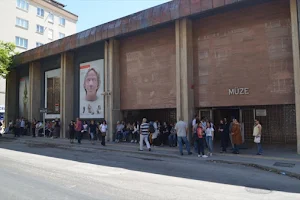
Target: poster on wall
91, 89
52, 93
24, 97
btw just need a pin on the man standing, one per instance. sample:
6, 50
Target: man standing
182, 130
144, 134
78, 129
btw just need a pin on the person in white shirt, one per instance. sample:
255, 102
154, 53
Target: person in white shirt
209, 132
103, 130
155, 134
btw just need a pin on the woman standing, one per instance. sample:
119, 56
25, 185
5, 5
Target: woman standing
236, 136
209, 132
257, 136
134, 133
72, 131
92, 130
103, 129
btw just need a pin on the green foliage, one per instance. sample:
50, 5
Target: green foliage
7, 51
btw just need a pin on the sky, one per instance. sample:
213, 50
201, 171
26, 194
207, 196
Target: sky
95, 12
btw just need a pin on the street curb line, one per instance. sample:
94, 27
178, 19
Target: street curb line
261, 167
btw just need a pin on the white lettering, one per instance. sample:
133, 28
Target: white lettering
238, 91
231, 91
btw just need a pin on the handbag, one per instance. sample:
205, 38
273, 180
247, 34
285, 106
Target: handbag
103, 134
256, 140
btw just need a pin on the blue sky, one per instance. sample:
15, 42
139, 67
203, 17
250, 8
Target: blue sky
94, 12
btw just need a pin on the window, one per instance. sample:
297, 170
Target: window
50, 34
22, 4
21, 42
62, 21
39, 29
51, 18
38, 44
61, 35
40, 12
22, 23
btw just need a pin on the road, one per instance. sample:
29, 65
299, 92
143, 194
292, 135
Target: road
29, 172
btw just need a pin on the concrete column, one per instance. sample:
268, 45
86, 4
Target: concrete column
66, 91
184, 71
11, 101
34, 91
295, 7
112, 86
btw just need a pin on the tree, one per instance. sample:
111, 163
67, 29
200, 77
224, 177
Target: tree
7, 51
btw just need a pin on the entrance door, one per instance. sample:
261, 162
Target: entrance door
221, 113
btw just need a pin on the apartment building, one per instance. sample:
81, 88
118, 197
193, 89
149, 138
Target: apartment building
32, 23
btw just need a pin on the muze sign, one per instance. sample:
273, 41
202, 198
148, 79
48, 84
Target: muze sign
238, 91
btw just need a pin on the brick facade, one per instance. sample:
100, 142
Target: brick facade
247, 48
147, 70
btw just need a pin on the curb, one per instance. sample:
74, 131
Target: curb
160, 155
261, 167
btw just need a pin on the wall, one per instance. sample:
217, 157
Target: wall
147, 70
9, 12
248, 48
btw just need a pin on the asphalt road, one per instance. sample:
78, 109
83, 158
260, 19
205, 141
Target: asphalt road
29, 172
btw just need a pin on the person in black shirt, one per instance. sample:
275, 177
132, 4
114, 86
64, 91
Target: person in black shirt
92, 130
223, 136
72, 131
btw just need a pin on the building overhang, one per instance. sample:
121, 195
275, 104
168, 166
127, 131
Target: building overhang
151, 17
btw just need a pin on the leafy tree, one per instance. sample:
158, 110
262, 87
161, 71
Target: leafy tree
7, 51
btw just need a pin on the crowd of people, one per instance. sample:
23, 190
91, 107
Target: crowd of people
149, 133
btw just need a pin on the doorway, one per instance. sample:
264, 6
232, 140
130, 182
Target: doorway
221, 113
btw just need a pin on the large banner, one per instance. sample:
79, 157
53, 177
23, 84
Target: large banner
52, 93
91, 89
24, 97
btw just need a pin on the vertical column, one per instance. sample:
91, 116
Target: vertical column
184, 70
34, 90
295, 7
66, 91
112, 86
11, 101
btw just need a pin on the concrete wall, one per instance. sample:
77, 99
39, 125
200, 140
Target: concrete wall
147, 70
247, 48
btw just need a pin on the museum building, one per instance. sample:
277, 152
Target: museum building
215, 58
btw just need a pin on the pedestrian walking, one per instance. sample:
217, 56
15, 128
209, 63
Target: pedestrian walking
92, 130
236, 136
182, 131
144, 134
78, 129
103, 130
257, 136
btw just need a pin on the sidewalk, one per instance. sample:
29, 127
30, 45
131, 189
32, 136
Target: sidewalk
288, 162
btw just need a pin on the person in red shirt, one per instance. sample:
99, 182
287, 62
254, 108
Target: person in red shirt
78, 129
200, 140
